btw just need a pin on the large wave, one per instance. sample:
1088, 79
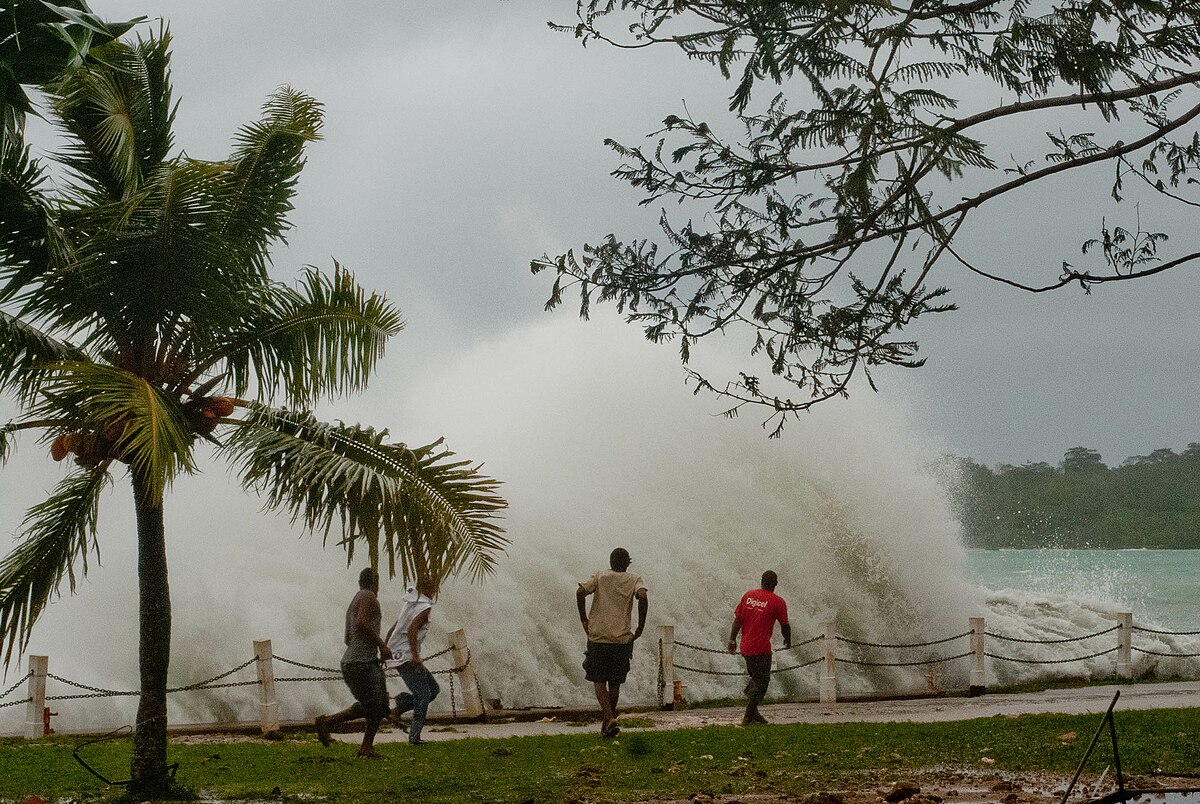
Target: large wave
599, 444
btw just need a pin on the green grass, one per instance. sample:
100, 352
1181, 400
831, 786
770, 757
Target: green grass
784, 759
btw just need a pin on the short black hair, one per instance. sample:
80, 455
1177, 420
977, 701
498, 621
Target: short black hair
619, 558
770, 580
367, 577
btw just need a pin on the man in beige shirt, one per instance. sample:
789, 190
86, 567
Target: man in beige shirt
610, 640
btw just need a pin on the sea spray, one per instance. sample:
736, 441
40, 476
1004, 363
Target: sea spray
599, 444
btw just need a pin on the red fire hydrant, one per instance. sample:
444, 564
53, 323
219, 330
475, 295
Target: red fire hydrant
46, 714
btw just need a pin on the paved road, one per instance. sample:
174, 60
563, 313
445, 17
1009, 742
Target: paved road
1085, 700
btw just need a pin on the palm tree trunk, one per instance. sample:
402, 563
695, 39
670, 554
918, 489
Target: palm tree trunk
149, 767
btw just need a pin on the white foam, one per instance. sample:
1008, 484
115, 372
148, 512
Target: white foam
599, 445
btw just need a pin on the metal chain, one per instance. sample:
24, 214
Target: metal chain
15, 703
709, 672
100, 692
1051, 641
1135, 628
736, 673
1050, 661
310, 678
797, 666
308, 666
795, 645
11, 689
458, 669
906, 664
1173, 655
697, 647
849, 641
205, 684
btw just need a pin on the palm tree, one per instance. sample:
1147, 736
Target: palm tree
137, 318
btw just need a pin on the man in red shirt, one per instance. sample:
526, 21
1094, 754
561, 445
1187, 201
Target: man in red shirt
755, 616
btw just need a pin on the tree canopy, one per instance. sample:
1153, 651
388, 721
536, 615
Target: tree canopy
139, 320
1147, 501
866, 140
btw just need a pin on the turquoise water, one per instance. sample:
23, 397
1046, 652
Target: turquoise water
1160, 587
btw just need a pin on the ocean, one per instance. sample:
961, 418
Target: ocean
1158, 586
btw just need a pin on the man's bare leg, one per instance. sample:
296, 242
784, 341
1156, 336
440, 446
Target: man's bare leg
368, 742
325, 721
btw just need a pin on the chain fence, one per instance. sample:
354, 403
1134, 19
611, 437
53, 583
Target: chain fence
1169, 633
929, 661
13, 689
329, 674
1062, 641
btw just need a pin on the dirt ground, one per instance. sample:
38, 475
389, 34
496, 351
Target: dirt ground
952, 786
943, 785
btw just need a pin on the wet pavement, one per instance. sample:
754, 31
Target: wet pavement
1083, 700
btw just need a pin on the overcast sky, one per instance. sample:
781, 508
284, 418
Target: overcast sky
464, 138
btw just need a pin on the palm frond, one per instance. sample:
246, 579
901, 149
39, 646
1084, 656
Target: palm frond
324, 337
120, 114
120, 415
26, 355
268, 157
145, 259
30, 240
57, 534
436, 514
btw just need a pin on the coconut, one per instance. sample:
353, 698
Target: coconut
221, 406
58, 448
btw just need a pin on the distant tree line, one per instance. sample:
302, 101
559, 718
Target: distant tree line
1147, 501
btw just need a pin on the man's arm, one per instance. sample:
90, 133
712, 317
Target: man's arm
581, 601
733, 632
786, 630
367, 612
643, 607
413, 628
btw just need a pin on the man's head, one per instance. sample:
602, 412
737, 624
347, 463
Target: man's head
619, 559
770, 580
368, 579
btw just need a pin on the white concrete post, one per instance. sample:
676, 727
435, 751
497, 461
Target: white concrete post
268, 707
35, 725
1125, 644
978, 683
666, 667
472, 705
829, 677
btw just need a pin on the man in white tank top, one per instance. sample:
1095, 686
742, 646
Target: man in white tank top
404, 640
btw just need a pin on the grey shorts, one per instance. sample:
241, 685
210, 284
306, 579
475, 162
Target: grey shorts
607, 662
366, 683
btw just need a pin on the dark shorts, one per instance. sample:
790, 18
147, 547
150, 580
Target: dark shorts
365, 680
607, 662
